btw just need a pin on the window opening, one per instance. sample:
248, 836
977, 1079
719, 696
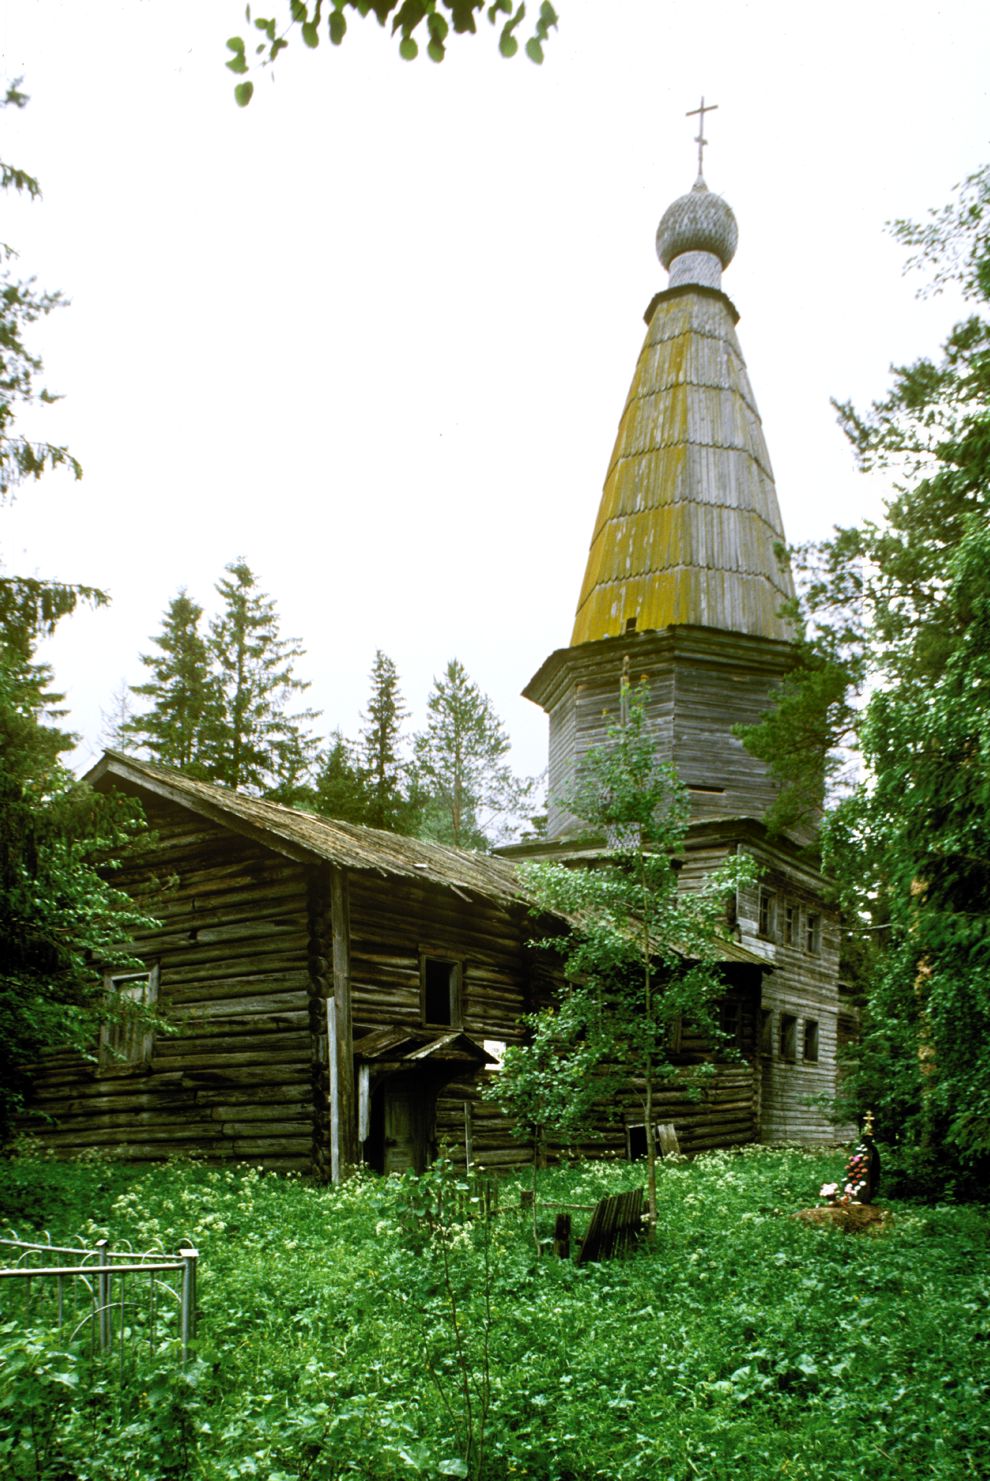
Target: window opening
812, 934
767, 910
788, 1036
766, 1032
811, 1040
441, 979
127, 1040
791, 921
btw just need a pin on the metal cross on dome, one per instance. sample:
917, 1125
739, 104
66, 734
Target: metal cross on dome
701, 141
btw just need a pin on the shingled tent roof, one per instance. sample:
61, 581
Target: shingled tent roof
688, 525
305, 837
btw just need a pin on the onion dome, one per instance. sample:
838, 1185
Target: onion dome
697, 237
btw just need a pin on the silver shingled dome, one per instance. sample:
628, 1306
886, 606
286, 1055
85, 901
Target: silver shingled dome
697, 222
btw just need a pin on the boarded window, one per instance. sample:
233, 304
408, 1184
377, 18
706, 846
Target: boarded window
127, 1040
811, 1040
788, 1036
812, 934
440, 980
768, 910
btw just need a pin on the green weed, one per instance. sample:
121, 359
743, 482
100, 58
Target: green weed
388, 1329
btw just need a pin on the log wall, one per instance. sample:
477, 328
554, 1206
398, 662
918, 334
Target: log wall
236, 1078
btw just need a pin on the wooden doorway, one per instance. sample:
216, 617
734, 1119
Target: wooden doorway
402, 1111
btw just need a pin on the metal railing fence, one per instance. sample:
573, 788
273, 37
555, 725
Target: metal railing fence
119, 1296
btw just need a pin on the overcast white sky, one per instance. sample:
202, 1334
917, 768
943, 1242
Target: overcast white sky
375, 333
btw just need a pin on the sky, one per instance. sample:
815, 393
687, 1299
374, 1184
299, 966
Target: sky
374, 333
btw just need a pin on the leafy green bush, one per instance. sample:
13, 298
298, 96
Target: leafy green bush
388, 1329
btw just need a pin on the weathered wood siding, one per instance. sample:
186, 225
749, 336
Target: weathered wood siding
797, 1085
236, 1078
701, 684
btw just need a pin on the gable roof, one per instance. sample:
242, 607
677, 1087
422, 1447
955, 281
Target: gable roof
308, 838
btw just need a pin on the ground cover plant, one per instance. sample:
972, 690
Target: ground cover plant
389, 1329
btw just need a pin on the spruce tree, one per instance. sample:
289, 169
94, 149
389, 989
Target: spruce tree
339, 788
387, 805
182, 691
253, 741
464, 785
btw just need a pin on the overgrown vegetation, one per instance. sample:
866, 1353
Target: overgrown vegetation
894, 663
639, 955
379, 1330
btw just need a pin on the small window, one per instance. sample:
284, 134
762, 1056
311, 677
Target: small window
496, 1048
766, 1032
788, 1036
127, 1040
440, 981
812, 934
791, 925
811, 1040
768, 904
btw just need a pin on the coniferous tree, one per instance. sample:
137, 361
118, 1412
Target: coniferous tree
387, 803
182, 690
339, 786
60, 923
465, 787
253, 740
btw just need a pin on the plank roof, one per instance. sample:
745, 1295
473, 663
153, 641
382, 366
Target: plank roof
306, 837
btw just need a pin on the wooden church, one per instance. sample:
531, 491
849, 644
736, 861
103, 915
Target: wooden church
337, 995
683, 589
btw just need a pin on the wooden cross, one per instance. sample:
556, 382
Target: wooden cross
701, 141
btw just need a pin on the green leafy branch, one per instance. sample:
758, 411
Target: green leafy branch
433, 20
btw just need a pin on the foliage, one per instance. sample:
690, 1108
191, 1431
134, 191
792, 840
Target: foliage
63, 924
466, 788
182, 691
433, 19
641, 954
744, 1345
60, 923
219, 707
252, 740
381, 741
339, 789
29, 605
898, 618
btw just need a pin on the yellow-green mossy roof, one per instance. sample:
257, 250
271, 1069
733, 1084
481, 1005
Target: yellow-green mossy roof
688, 522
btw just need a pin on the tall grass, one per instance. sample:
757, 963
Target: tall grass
362, 1332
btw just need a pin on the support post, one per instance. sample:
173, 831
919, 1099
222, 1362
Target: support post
343, 1151
187, 1316
103, 1296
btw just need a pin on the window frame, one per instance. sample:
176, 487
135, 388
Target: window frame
455, 988
813, 933
787, 1038
766, 920
127, 1047
810, 1040
792, 923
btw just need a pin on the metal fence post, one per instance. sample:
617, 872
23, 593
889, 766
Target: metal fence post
103, 1296
188, 1310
